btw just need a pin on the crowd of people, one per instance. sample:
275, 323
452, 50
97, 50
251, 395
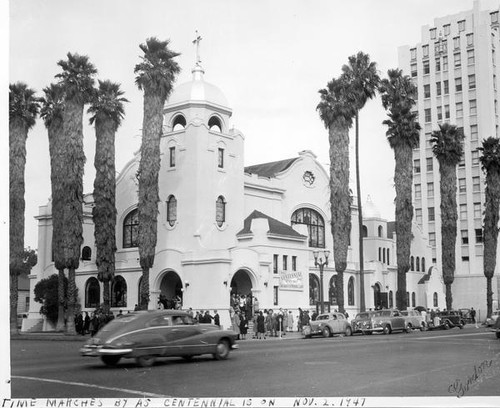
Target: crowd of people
91, 324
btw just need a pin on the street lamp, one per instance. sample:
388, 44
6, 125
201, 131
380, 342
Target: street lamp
320, 264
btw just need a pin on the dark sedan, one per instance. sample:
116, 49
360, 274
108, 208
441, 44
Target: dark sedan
147, 335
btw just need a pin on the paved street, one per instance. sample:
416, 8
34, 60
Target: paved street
439, 363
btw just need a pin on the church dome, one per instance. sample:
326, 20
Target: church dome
198, 90
370, 210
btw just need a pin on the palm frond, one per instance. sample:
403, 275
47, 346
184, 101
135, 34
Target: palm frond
23, 104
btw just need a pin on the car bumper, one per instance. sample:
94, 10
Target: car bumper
96, 351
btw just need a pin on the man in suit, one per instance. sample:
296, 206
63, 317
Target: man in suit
216, 318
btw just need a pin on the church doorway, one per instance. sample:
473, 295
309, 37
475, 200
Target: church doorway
171, 291
241, 284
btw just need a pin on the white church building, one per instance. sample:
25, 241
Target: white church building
224, 227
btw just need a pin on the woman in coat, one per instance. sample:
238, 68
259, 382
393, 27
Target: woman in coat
243, 326
261, 328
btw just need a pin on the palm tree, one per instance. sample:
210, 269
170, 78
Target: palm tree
107, 110
448, 149
23, 110
336, 111
77, 82
361, 75
398, 97
52, 115
155, 76
490, 161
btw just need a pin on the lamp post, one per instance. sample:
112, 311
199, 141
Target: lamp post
321, 265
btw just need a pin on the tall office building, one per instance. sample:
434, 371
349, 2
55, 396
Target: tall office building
456, 67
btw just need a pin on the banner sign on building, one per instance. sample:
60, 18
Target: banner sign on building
291, 280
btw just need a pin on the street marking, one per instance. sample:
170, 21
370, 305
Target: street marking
142, 393
448, 335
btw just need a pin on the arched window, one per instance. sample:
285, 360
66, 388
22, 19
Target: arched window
435, 299
92, 293
391, 300
171, 210
380, 231
179, 123
413, 300
332, 291
130, 229
423, 264
365, 231
86, 253
383, 255
315, 225
139, 291
350, 292
407, 299
214, 124
412, 263
313, 289
118, 292
220, 211
380, 254
417, 263
388, 258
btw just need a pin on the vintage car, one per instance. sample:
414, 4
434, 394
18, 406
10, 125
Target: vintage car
447, 319
414, 320
362, 320
147, 335
327, 325
384, 321
490, 321
496, 327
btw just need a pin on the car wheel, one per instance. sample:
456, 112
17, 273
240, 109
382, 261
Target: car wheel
446, 325
110, 360
326, 332
221, 350
145, 361
348, 331
498, 334
422, 326
387, 329
408, 328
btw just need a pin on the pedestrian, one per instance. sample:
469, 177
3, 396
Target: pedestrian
120, 314
473, 316
261, 328
299, 320
243, 326
79, 323
236, 323
255, 320
216, 318
279, 323
86, 323
255, 305
136, 307
290, 321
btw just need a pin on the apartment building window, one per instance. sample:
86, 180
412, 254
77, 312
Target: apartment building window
476, 185
465, 236
462, 186
432, 32
472, 81
475, 157
470, 57
446, 29
445, 63
413, 68
431, 214
427, 91
456, 43
418, 215
456, 60
429, 163
461, 163
427, 115
285, 262
425, 50
494, 17
470, 39
413, 53
472, 107
479, 235
477, 210
460, 109
447, 111
418, 191
275, 263
438, 88
416, 166
473, 132
463, 211
426, 67
430, 190
446, 87
440, 113
461, 25
432, 239
438, 65
458, 84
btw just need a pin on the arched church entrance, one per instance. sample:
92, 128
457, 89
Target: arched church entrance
171, 291
241, 293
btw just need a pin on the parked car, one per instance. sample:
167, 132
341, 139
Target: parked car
147, 335
446, 320
327, 325
361, 321
490, 321
496, 327
466, 316
384, 321
414, 320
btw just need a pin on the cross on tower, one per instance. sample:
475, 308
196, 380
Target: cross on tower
197, 42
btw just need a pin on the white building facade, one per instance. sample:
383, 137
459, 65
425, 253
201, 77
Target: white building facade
224, 228
456, 68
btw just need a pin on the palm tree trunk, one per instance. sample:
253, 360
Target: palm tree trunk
62, 298
106, 296
14, 279
144, 301
71, 301
362, 305
489, 296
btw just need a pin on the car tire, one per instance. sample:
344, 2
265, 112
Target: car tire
422, 327
446, 325
221, 350
145, 361
110, 360
348, 331
408, 328
326, 332
498, 334
187, 358
387, 329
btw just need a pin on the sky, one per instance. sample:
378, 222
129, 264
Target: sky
269, 58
